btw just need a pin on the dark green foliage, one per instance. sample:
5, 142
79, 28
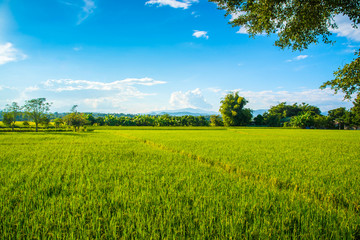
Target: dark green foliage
272, 120
323, 122
304, 120
283, 113
233, 111
13, 110
347, 79
8, 119
297, 23
45, 120
259, 120
340, 116
216, 120
355, 111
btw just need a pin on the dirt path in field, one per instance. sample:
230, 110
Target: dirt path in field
321, 198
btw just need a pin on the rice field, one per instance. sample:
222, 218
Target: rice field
180, 183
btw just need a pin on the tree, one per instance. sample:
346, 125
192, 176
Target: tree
259, 120
355, 110
58, 122
233, 111
272, 120
298, 23
75, 119
36, 108
45, 120
14, 110
347, 79
8, 119
303, 120
215, 120
340, 115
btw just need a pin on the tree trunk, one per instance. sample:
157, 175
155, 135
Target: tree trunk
36, 127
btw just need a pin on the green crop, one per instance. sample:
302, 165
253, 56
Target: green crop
201, 184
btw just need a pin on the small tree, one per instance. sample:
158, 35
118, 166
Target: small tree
8, 119
233, 111
45, 120
13, 110
58, 122
75, 119
36, 108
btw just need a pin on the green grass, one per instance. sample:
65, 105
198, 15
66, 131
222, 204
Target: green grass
205, 184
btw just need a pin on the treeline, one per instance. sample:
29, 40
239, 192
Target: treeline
308, 116
233, 113
147, 120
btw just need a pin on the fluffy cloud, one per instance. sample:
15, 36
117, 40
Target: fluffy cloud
324, 99
184, 4
10, 54
345, 28
189, 99
114, 96
298, 58
59, 85
200, 34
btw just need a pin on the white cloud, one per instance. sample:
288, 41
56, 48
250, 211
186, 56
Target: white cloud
114, 96
87, 10
200, 34
10, 54
298, 58
184, 4
59, 85
324, 99
236, 15
189, 99
243, 30
214, 90
195, 14
345, 28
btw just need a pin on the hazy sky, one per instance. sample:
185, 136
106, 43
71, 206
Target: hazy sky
145, 55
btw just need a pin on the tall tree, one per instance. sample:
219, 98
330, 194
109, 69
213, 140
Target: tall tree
299, 23
355, 111
13, 110
36, 108
233, 111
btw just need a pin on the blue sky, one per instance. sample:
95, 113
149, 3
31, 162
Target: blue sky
144, 55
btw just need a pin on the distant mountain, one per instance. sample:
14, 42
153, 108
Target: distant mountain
184, 111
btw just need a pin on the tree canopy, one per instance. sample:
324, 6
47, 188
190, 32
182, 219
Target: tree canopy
36, 109
299, 23
233, 111
347, 79
13, 111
